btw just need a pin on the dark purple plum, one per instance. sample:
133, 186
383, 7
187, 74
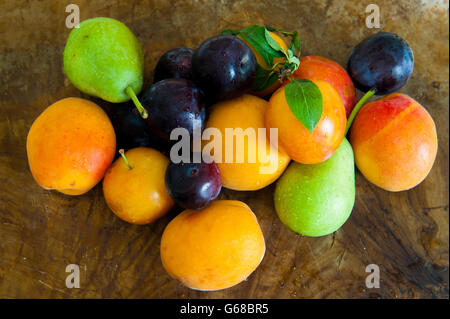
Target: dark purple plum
224, 67
176, 63
173, 103
193, 185
132, 130
383, 62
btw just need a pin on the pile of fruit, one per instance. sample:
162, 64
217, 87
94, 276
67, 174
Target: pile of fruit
249, 78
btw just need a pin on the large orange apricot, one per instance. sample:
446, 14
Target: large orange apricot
213, 248
395, 142
320, 68
70, 146
261, 62
300, 144
135, 190
245, 112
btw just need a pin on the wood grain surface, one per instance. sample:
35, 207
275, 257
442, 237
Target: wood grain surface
406, 234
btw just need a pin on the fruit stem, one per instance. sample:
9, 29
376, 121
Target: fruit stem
142, 111
357, 107
121, 151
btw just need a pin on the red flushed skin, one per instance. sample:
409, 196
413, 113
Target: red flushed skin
394, 140
320, 68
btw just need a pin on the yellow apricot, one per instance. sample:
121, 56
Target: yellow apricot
213, 248
246, 111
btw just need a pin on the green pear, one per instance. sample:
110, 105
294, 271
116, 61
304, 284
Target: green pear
103, 58
316, 200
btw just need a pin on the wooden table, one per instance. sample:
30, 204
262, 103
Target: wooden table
406, 234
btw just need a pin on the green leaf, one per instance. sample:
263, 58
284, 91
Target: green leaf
296, 41
264, 78
262, 41
230, 31
305, 101
294, 60
255, 35
273, 44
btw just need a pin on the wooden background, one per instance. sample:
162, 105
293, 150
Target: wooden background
406, 233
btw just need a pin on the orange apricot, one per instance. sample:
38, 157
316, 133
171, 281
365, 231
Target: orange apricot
395, 142
213, 248
320, 68
245, 112
70, 146
300, 144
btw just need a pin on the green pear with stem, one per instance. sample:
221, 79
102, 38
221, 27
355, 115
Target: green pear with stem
103, 58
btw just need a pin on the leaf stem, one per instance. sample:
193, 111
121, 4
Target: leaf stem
121, 151
142, 111
358, 106
275, 65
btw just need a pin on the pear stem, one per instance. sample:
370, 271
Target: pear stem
142, 111
121, 151
357, 107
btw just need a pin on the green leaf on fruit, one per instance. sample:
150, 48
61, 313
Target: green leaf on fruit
260, 39
273, 44
295, 43
264, 78
305, 101
255, 35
